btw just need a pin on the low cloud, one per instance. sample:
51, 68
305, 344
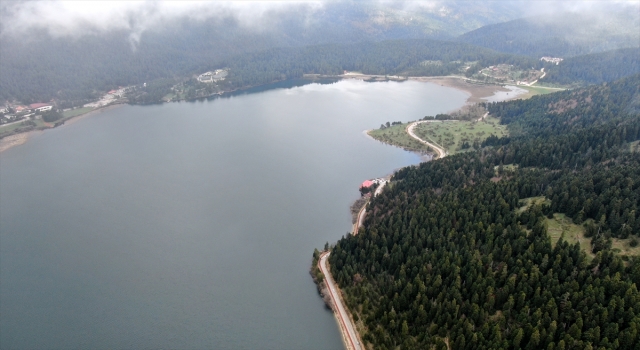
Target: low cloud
595, 9
77, 18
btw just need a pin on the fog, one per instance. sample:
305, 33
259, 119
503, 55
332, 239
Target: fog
77, 18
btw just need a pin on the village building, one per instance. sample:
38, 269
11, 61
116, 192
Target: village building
555, 60
210, 77
367, 184
20, 109
40, 107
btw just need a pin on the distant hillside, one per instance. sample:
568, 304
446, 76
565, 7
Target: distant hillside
566, 111
101, 65
36, 66
391, 57
595, 68
563, 35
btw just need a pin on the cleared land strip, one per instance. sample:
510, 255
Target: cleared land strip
347, 327
440, 152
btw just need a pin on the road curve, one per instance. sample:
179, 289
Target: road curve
363, 211
440, 152
481, 118
359, 219
347, 328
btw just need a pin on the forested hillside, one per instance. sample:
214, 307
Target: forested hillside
38, 66
560, 35
387, 57
456, 253
163, 68
570, 110
595, 68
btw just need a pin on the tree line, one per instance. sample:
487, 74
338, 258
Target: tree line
75, 72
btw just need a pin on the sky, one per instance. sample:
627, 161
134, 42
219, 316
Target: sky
75, 18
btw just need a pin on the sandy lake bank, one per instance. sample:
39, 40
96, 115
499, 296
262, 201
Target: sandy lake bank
13, 140
477, 92
19, 139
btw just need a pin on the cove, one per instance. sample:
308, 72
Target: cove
192, 225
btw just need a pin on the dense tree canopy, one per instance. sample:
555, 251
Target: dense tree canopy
68, 77
449, 255
595, 68
394, 57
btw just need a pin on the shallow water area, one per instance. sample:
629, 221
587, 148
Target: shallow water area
513, 92
192, 225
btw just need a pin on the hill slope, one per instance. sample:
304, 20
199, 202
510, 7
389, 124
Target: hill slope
595, 68
36, 65
456, 253
561, 35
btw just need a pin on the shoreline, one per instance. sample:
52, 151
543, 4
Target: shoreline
346, 325
98, 110
476, 93
18, 139
14, 140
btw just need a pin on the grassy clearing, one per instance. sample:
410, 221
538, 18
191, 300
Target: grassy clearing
452, 135
537, 90
507, 168
397, 135
527, 202
561, 226
76, 112
169, 96
21, 127
623, 247
10, 128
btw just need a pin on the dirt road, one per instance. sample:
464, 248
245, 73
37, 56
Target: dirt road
481, 118
440, 152
363, 211
347, 327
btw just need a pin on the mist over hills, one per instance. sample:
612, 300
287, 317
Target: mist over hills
68, 55
72, 53
560, 35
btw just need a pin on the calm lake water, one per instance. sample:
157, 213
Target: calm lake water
192, 225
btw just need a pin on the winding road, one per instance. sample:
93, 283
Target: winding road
363, 211
347, 328
481, 118
440, 152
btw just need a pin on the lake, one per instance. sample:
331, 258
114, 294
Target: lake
192, 225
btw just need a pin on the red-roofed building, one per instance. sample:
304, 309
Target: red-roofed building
367, 184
